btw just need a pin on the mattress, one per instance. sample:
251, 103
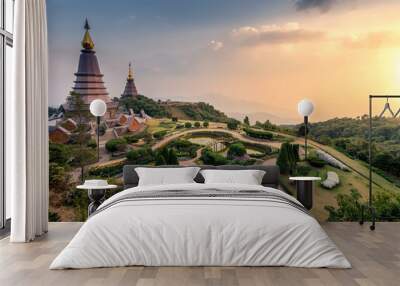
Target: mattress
201, 225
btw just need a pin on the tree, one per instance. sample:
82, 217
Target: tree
82, 154
140, 156
283, 159
188, 125
59, 179
301, 130
114, 145
172, 158
236, 150
205, 124
197, 124
246, 120
59, 153
141, 102
167, 156
233, 124
52, 110
160, 160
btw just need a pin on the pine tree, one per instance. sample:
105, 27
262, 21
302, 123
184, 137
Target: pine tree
160, 160
283, 159
172, 158
82, 154
246, 120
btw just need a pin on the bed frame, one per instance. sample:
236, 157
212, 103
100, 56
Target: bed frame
270, 179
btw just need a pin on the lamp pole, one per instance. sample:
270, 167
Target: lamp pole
305, 108
305, 136
98, 138
98, 108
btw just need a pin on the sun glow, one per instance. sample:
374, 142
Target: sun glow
397, 70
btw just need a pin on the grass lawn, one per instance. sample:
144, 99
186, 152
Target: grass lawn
155, 125
324, 197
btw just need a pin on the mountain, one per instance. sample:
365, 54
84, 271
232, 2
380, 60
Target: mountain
262, 117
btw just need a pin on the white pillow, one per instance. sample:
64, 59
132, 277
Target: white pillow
166, 176
248, 177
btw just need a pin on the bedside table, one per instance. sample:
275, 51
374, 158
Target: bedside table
96, 195
304, 187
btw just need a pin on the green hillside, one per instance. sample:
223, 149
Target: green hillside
195, 111
350, 136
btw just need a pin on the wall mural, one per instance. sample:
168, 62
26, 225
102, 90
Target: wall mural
190, 89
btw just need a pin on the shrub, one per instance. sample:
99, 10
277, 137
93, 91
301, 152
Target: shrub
140, 156
147, 138
302, 170
54, 217
233, 124
114, 145
179, 126
92, 144
211, 158
247, 162
188, 125
197, 124
315, 161
236, 150
106, 171
58, 178
349, 207
133, 138
159, 134
59, 153
184, 148
174, 119
205, 124
260, 134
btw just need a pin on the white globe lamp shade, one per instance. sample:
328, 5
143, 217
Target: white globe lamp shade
305, 107
98, 107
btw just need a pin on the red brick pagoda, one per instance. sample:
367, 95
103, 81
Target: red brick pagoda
89, 80
130, 87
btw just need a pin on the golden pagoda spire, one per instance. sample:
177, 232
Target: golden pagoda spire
130, 73
87, 42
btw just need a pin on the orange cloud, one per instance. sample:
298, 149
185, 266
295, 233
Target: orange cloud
275, 34
373, 40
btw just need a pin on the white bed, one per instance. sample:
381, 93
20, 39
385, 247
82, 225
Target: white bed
202, 231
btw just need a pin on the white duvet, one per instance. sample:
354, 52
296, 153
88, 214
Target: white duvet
194, 231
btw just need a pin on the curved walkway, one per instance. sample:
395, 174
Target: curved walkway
233, 133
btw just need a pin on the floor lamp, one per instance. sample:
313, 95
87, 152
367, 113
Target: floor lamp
98, 108
305, 108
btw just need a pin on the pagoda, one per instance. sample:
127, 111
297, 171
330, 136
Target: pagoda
89, 80
130, 87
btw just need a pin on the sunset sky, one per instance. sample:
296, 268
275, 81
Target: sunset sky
247, 57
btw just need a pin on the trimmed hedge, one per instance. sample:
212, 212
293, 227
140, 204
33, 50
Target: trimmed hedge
159, 134
260, 134
107, 171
